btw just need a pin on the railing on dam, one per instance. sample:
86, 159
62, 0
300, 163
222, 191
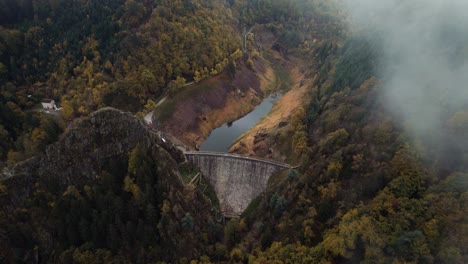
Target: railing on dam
236, 179
237, 156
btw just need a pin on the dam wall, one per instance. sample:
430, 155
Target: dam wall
236, 179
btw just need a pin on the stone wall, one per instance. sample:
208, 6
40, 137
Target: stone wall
237, 180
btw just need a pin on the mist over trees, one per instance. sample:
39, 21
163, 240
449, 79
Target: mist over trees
382, 145
423, 53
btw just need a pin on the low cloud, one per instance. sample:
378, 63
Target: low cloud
424, 64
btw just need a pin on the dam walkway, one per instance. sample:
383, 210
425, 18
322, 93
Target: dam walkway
236, 179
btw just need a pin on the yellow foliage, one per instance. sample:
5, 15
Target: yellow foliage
67, 109
330, 191
250, 63
431, 229
236, 255
72, 191
38, 135
334, 168
297, 120
197, 77
14, 156
242, 225
255, 54
236, 55
83, 110
299, 142
219, 67
308, 234
150, 105
166, 207
299, 139
131, 187
335, 244
341, 240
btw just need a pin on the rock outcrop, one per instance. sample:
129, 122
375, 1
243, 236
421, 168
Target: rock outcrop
107, 170
106, 133
84, 147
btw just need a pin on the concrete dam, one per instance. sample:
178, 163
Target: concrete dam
236, 179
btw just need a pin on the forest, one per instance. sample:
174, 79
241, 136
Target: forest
123, 54
366, 191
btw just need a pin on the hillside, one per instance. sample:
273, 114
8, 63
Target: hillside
122, 54
107, 187
373, 117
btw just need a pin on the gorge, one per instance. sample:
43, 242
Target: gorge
363, 158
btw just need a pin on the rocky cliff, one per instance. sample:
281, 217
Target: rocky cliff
106, 133
86, 146
110, 182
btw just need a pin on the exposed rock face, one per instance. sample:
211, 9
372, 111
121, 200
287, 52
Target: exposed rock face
82, 149
96, 154
106, 133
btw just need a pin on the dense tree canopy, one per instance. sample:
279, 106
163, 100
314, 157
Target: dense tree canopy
364, 190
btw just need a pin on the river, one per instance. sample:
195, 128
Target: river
222, 137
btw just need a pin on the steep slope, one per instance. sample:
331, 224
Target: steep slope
192, 114
368, 190
90, 54
108, 189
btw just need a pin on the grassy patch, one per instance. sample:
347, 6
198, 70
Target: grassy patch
276, 179
210, 193
188, 171
166, 109
283, 79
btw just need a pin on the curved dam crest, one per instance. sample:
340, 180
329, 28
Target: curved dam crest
236, 179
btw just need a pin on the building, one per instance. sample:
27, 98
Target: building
48, 104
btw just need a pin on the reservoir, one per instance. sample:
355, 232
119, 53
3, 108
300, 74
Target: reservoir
222, 137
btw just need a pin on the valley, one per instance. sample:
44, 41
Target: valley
340, 129
220, 101
261, 140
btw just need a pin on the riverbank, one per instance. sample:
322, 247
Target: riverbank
191, 114
221, 138
270, 137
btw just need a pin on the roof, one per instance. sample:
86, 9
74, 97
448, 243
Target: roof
48, 101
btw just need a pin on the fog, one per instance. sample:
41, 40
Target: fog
424, 64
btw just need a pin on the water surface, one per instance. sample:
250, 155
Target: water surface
222, 137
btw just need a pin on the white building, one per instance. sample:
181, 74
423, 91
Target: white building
48, 104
